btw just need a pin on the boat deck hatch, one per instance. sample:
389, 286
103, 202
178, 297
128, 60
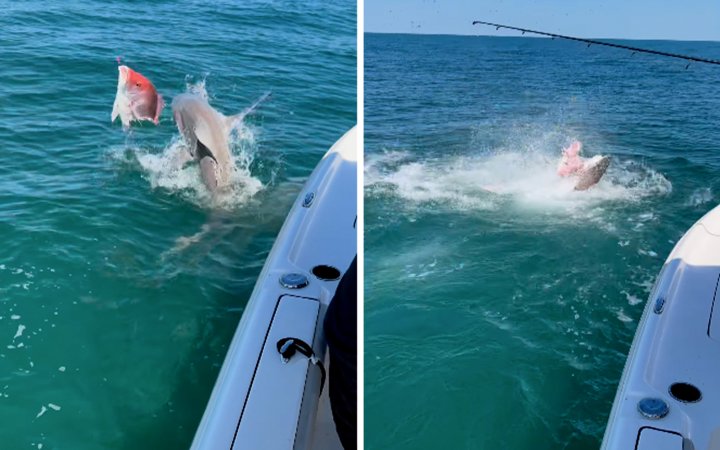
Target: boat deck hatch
278, 386
655, 439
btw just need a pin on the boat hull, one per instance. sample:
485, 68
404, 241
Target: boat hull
261, 400
669, 394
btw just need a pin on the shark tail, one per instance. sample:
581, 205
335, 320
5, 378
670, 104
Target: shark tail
232, 121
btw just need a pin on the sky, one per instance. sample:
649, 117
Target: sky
618, 19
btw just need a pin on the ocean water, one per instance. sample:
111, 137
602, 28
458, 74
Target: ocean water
121, 283
500, 304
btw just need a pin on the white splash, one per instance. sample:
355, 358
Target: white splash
19, 331
197, 87
163, 171
526, 177
622, 317
700, 197
631, 299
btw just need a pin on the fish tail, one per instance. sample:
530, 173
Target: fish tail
115, 111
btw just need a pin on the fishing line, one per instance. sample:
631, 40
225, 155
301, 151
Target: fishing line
607, 44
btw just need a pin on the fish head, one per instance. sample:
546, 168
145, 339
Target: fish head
145, 101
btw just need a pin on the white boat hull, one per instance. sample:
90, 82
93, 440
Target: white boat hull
260, 401
675, 357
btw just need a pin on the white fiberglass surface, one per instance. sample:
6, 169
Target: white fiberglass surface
676, 342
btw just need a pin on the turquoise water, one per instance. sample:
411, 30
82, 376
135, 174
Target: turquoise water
500, 304
120, 286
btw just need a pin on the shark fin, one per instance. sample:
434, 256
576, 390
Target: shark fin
208, 172
232, 121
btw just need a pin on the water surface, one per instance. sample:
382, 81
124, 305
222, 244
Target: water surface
120, 287
500, 304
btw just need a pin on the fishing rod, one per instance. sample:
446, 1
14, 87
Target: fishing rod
590, 42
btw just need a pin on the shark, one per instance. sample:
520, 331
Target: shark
206, 132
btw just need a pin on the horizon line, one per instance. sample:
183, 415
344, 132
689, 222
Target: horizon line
536, 37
